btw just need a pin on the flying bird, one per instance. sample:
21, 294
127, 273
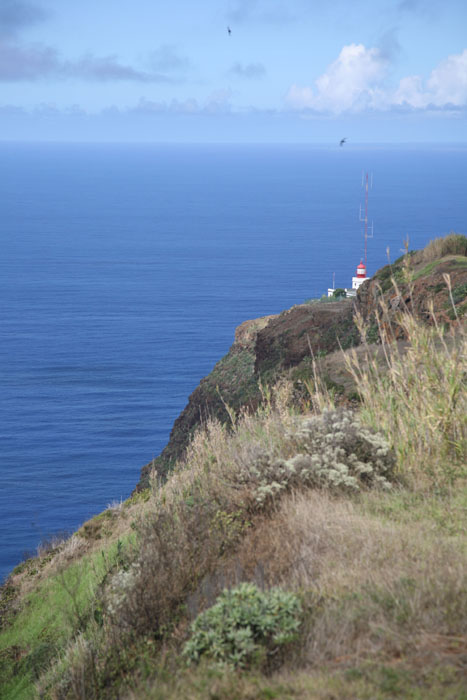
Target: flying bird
229, 31
342, 141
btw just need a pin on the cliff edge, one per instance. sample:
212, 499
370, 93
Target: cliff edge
272, 346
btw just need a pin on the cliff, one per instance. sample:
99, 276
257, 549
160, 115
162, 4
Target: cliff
263, 349
283, 345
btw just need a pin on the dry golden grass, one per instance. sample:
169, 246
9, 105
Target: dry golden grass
453, 244
198, 514
218, 453
375, 588
386, 595
417, 398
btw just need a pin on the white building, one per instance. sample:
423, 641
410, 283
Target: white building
356, 281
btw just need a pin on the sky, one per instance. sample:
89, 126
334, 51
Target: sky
311, 71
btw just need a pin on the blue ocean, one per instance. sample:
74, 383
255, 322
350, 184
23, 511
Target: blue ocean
125, 270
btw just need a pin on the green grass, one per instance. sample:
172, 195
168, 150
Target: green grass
459, 293
444, 513
55, 609
428, 269
458, 261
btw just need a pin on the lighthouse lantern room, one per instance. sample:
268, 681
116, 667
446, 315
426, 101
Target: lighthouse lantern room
360, 276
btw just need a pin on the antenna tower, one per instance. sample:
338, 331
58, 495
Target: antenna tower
365, 218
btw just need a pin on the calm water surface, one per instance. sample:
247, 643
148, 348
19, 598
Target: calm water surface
125, 270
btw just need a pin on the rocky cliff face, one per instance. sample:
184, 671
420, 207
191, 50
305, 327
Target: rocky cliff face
421, 288
263, 348
268, 347
303, 331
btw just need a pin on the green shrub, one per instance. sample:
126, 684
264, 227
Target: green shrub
324, 299
245, 626
372, 333
339, 293
331, 450
459, 293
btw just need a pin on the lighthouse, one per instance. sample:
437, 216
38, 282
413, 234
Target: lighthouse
359, 279
360, 276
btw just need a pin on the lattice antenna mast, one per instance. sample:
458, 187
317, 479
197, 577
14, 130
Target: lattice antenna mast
368, 234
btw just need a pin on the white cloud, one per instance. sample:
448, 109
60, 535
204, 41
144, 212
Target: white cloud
409, 92
350, 82
446, 86
356, 81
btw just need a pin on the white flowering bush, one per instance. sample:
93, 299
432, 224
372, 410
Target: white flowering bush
331, 450
122, 582
245, 625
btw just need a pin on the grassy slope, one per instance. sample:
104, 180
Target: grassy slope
390, 620
51, 598
383, 575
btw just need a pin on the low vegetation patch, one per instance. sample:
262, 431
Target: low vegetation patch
332, 450
245, 626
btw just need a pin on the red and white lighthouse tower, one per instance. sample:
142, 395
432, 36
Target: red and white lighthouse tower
360, 276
